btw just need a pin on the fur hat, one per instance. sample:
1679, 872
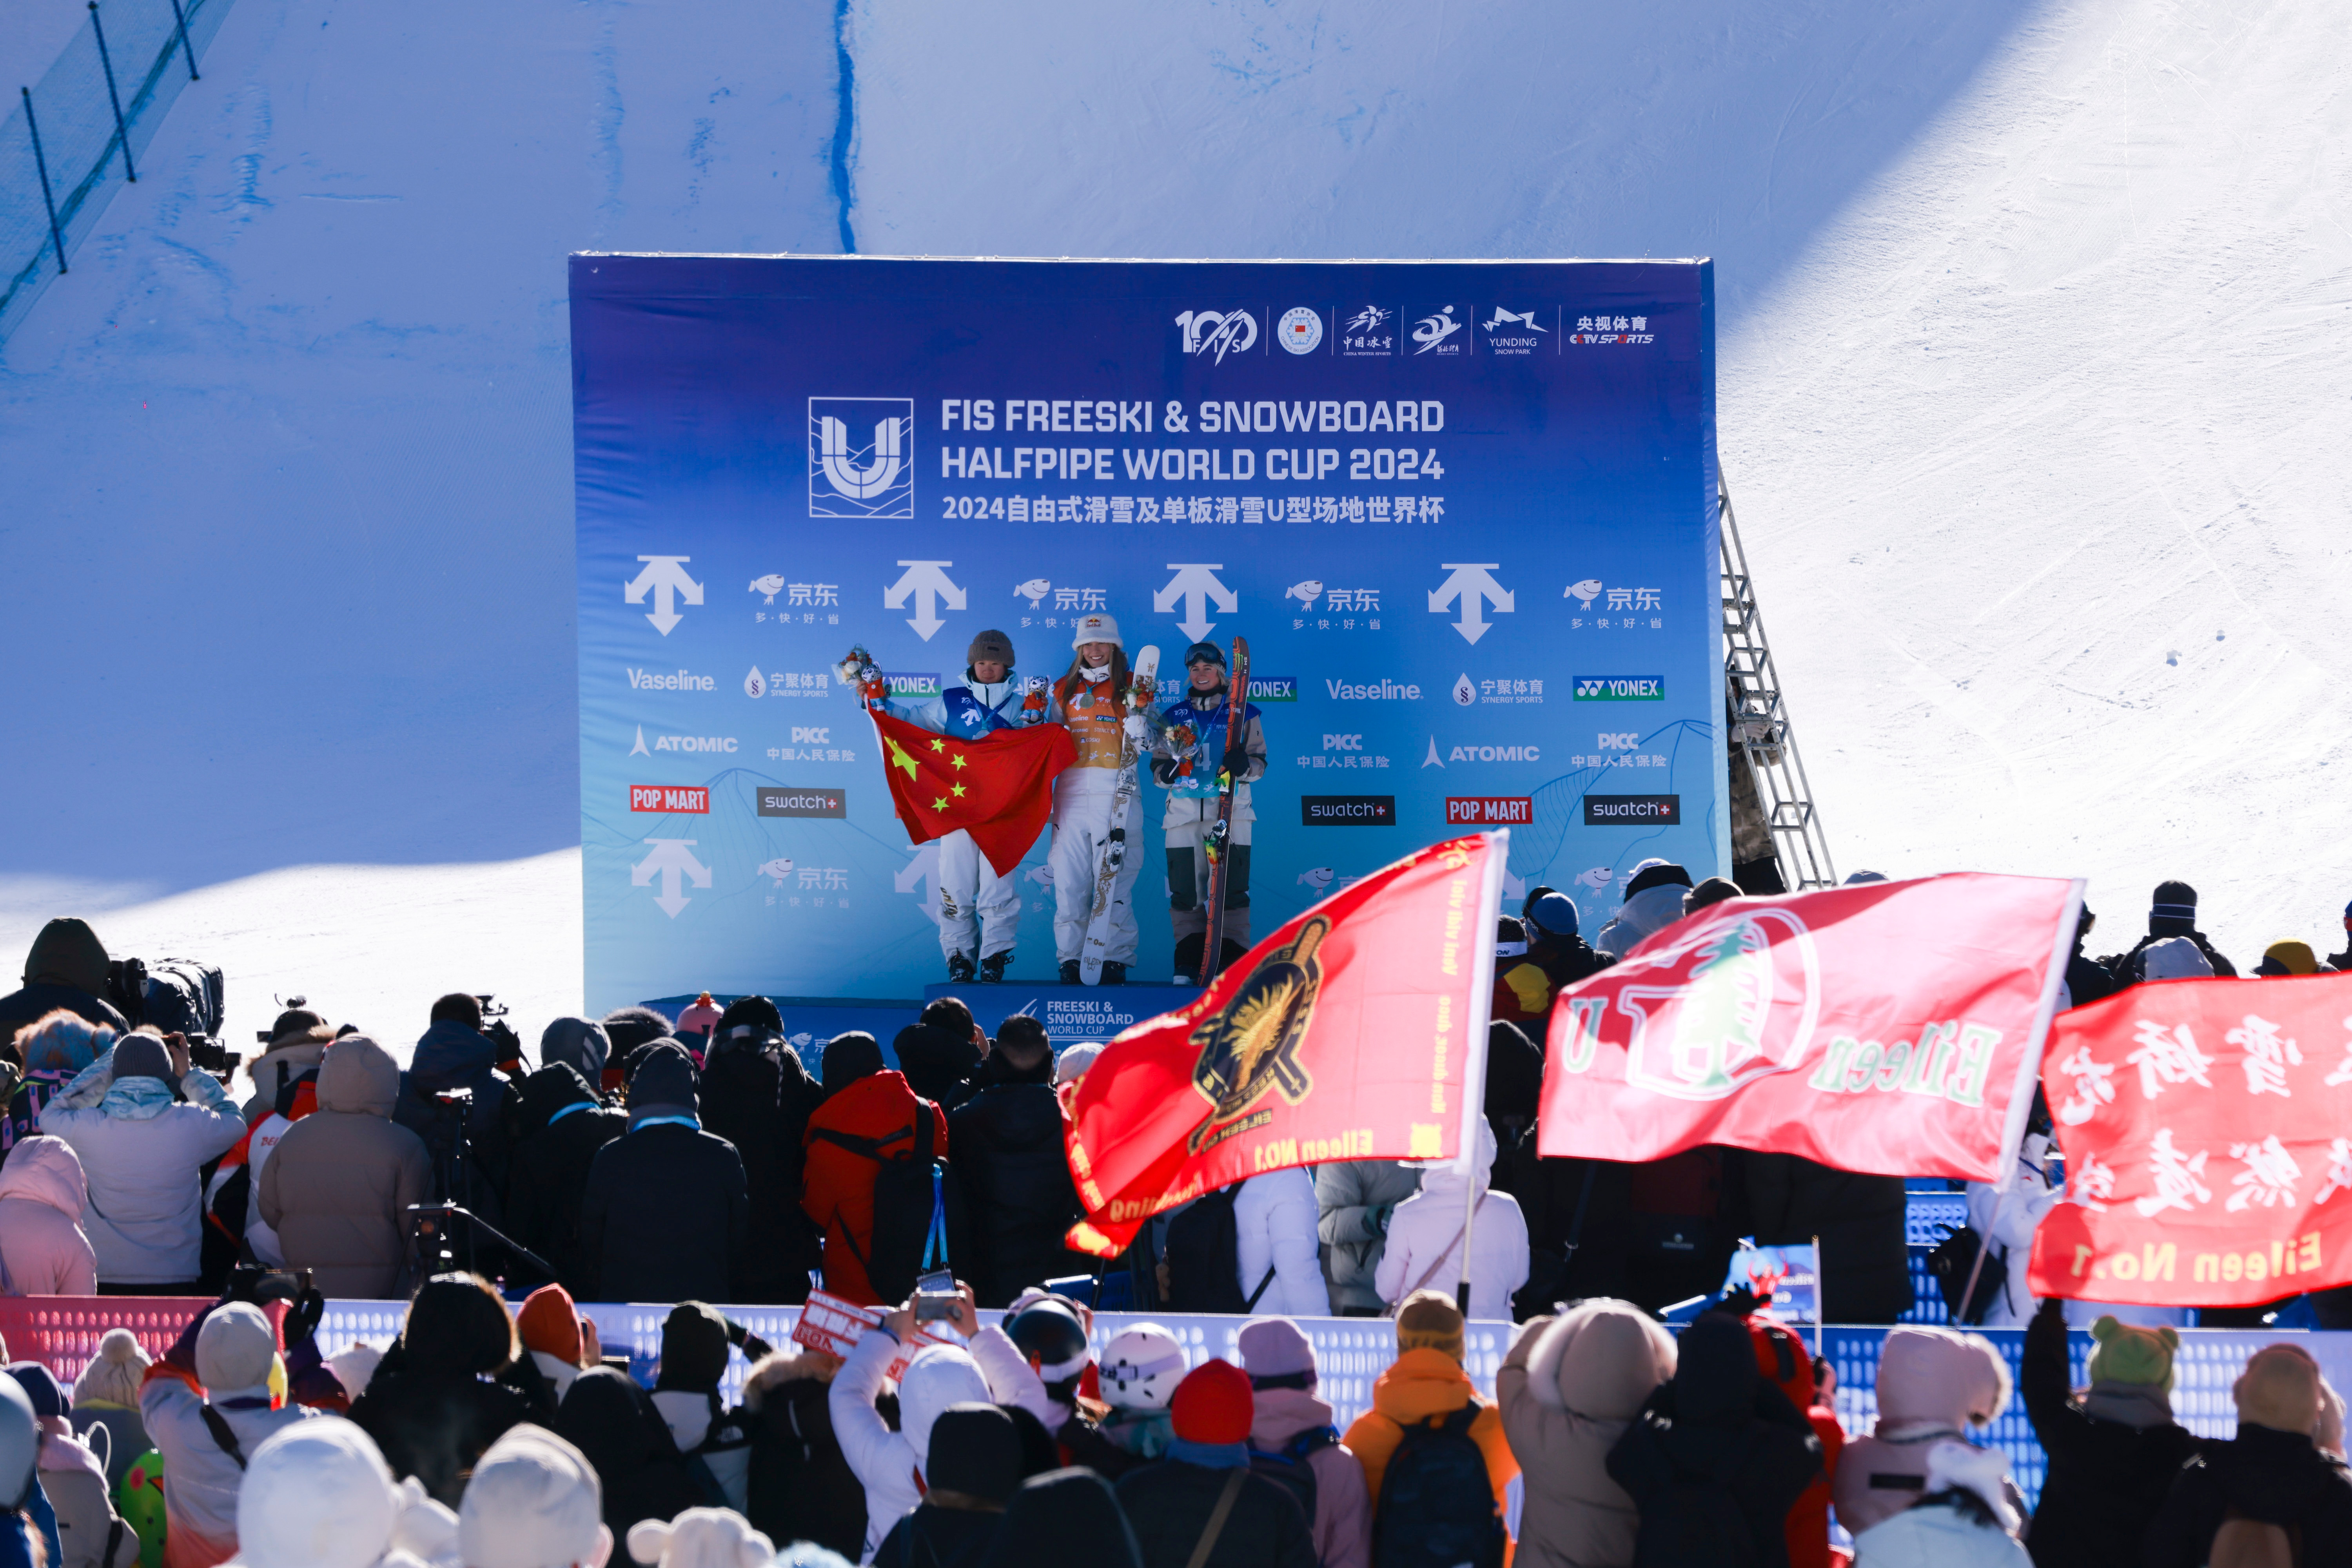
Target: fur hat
991, 645
2139, 1357
316, 1494
1214, 1403
2279, 1389
701, 1538
534, 1502
1429, 1321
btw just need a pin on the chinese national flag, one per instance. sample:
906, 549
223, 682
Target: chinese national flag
1355, 1031
1891, 1028
2204, 1125
998, 789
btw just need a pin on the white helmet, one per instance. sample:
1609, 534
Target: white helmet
1095, 628
1140, 1368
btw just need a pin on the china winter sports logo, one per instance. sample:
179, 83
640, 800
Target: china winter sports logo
1252, 1046
861, 457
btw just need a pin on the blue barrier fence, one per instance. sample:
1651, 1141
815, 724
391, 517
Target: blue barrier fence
68, 140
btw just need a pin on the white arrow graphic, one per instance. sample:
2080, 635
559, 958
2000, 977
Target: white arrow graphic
927, 581
665, 575
670, 857
1196, 584
922, 872
1476, 588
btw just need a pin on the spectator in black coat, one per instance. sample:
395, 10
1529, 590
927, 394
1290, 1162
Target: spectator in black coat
2172, 913
2271, 1473
972, 1471
939, 1051
628, 1028
757, 1095
1067, 1516
454, 1058
427, 1406
2113, 1452
801, 1488
1715, 1456
667, 1215
612, 1421
1553, 942
559, 1125
1865, 1253
1169, 1502
1005, 1148
581, 1043
2087, 979
65, 968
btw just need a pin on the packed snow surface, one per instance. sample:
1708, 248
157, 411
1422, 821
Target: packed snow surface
2037, 348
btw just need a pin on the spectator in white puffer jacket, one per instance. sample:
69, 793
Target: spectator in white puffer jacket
1274, 1222
141, 1149
1425, 1246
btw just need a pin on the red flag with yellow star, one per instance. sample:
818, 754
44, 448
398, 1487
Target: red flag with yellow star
998, 789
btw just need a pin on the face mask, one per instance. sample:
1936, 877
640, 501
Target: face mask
1095, 673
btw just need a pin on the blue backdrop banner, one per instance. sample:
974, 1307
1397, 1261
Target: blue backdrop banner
1465, 513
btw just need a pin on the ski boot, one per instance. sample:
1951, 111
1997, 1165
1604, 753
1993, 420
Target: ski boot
1114, 972
991, 968
960, 969
1070, 975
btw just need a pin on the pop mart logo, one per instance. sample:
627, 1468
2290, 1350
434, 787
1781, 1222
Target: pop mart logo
1620, 688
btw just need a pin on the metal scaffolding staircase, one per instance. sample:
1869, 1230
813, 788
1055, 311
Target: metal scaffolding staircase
1777, 842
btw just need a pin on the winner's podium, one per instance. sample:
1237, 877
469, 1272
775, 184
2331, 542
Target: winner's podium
1072, 1015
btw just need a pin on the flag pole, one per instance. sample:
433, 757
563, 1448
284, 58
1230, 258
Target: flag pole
1482, 1012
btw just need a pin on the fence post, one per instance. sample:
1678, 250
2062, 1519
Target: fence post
41, 163
180, 19
121, 130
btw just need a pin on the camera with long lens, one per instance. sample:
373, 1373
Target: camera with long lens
177, 996
499, 1032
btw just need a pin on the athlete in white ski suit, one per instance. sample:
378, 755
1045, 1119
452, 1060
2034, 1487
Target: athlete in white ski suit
968, 885
1090, 702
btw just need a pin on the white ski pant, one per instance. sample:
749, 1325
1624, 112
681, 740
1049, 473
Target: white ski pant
971, 895
1081, 833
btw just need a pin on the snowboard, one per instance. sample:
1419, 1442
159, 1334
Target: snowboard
1112, 857
1212, 944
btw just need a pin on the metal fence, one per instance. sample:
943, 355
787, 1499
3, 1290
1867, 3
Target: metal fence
68, 140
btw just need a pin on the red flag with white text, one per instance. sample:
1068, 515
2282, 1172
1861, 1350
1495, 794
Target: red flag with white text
1357, 1032
1889, 1027
2204, 1125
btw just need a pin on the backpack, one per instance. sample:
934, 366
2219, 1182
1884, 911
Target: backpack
906, 1193
1204, 1258
1437, 1503
1954, 1256
1288, 1466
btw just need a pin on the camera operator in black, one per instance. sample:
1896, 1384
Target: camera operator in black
454, 1098
65, 968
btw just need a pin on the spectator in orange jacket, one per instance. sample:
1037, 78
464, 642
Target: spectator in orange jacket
1425, 1383
868, 1115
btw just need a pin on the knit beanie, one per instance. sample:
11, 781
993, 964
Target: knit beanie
1429, 1321
975, 1450
2173, 911
1714, 890
2291, 958
848, 1058
665, 1077
991, 645
701, 1538
1276, 1351
234, 1349
534, 1502
2141, 1357
1656, 873
1554, 914
316, 1494
2279, 1389
694, 1349
1214, 1403
41, 1386
141, 1056
115, 1373
550, 1323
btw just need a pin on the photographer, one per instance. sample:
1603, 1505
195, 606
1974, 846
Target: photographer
141, 1145
453, 1097
666, 1215
65, 968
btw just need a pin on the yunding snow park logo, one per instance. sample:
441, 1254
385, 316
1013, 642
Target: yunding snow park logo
1218, 332
861, 457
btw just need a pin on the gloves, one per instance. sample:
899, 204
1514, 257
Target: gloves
1377, 1216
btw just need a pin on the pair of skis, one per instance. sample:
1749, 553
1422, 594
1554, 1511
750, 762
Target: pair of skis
1213, 943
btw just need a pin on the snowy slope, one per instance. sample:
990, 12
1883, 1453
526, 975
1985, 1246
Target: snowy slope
2035, 375
2035, 330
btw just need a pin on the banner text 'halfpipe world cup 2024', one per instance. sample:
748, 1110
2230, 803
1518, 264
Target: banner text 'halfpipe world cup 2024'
1465, 513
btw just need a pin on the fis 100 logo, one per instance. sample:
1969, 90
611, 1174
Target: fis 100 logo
1620, 688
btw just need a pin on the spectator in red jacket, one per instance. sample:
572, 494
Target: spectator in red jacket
868, 1115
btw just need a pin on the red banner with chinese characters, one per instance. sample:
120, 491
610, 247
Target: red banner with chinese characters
999, 789
1890, 1027
1357, 1032
2205, 1128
